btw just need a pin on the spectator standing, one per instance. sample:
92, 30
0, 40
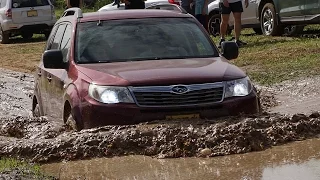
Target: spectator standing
187, 5
74, 3
234, 6
134, 4
201, 12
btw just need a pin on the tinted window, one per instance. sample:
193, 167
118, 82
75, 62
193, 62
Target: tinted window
57, 37
51, 37
65, 43
142, 39
28, 3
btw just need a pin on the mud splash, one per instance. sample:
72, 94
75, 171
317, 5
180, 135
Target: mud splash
161, 139
41, 140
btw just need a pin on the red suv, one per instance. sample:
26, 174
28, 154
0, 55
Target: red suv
125, 67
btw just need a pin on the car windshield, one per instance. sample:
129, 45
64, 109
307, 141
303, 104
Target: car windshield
29, 3
142, 39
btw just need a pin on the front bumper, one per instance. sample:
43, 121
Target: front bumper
95, 114
35, 27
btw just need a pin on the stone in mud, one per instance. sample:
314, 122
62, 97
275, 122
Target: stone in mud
298, 117
314, 115
205, 152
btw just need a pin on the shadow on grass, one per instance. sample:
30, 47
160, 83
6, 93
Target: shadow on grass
20, 40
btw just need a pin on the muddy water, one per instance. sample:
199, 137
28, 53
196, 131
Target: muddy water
299, 160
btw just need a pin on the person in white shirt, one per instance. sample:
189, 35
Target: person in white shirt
226, 7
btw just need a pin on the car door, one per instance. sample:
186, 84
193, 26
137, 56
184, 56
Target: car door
292, 10
48, 74
249, 15
312, 8
41, 79
59, 76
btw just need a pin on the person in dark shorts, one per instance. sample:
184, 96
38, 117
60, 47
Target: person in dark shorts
188, 6
234, 6
201, 12
74, 3
134, 4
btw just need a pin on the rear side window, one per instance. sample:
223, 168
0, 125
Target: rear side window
29, 3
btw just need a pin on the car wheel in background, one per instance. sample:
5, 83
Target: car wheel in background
27, 35
4, 37
268, 21
257, 30
214, 25
47, 34
293, 30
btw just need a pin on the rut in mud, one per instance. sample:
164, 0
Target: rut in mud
44, 141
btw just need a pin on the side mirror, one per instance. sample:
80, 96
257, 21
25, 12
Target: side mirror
229, 50
53, 59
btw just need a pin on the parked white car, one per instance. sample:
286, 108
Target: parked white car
25, 17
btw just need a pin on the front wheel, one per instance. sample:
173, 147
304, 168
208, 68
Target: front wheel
268, 19
4, 37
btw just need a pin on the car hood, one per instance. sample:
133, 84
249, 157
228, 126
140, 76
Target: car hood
162, 72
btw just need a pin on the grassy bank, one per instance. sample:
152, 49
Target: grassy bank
267, 60
11, 168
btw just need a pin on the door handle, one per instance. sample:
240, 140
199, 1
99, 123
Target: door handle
49, 78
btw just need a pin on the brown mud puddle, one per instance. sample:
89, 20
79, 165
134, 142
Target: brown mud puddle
294, 161
46, 141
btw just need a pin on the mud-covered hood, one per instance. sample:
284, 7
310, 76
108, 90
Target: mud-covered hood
162, 72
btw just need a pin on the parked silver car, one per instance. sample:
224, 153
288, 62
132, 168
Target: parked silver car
25, 17
250, 18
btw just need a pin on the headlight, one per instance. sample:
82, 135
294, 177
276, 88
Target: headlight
110, 94
239, 87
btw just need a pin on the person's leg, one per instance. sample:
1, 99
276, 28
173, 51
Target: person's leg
237, 10
224, 25
225, 13
237, 25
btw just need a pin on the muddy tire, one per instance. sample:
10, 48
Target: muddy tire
257, 31
4, 37
269, 21
36, 111
293, 30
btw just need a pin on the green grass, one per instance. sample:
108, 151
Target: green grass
25, 169
268, 60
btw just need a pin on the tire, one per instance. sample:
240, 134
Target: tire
72, 124
257, 31
269, 21
47, 34
4, 37
27, 35
293, 30
36, 111
214, 25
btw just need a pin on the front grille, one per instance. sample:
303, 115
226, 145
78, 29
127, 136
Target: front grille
163, 95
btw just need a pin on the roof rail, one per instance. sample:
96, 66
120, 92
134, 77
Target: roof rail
73, 12
166, 6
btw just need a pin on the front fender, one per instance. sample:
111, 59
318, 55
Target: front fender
214, 6
72, 96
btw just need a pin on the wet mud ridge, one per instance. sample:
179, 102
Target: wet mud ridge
41, 140
160, 139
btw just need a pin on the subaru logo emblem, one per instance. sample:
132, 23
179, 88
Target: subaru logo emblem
179, 89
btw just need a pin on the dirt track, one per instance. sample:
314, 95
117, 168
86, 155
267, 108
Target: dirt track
41, 140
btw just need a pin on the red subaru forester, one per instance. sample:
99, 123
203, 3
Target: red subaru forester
131, 66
